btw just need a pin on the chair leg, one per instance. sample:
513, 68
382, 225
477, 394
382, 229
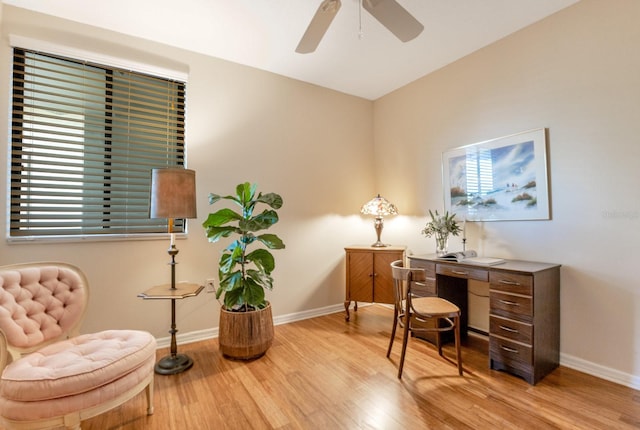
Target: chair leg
72, 421
393, 330
405, 339
438, 338
149, 394
458, 349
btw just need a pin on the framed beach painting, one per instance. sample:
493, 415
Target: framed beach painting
499, 179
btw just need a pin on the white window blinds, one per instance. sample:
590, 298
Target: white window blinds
84, 140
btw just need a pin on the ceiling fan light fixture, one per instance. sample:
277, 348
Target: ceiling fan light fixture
395, 18
318, 26
388, 12
330, 6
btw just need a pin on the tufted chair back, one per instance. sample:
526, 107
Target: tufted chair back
40, 304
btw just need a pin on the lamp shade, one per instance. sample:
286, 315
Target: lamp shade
379, 207
173, 193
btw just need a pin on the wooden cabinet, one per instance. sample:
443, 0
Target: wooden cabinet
369, 274
524, 309
524, 322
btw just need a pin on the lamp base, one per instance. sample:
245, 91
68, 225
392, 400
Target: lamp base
378, 224
172, 364
379, 244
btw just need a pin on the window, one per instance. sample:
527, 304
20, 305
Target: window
84, 140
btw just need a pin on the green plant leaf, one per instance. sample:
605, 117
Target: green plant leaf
272, 199
215, 233
260, 277
229, 283
271, 241
245, 192
233, 246
221, 217
263, 259
259, 222
213, 198
225, 265
253, 293
233, 298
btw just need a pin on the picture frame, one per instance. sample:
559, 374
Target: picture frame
499, 179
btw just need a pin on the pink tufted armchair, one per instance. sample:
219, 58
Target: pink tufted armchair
52, 376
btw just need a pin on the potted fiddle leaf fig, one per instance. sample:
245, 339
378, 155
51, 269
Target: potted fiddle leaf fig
244, 269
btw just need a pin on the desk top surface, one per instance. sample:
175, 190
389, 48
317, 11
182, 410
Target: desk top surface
508, 265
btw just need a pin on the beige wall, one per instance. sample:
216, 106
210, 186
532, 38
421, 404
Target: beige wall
310, 144
578, 74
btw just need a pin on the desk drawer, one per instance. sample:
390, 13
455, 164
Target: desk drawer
429, 267
462, 272
509, 352
425, 288
510, 304
511, 329
511, 282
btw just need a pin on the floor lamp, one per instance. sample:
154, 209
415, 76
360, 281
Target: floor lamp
173, 196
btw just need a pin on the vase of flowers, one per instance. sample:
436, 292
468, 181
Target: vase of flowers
442, 244
441, 226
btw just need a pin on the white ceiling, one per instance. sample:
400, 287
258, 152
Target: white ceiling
368, 63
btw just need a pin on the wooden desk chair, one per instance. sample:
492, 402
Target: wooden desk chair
409, 310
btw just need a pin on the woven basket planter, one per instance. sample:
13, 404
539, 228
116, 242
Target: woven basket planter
245, 335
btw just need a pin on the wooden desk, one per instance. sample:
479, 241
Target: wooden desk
524, 309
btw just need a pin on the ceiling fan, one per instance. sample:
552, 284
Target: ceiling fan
388, 12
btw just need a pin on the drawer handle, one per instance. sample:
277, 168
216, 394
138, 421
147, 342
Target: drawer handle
509, 329
509, 302
459, 273
506, 348
505, 282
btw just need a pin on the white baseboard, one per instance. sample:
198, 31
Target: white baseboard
599, 371
190, 337
603, 372
312, 313
210, 333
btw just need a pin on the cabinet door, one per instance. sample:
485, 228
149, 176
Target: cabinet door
360, 287
383, 279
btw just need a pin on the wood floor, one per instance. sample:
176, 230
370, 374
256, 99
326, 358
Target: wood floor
325, 373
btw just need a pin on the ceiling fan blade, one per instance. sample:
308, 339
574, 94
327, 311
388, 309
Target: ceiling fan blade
396, 18
318, 26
